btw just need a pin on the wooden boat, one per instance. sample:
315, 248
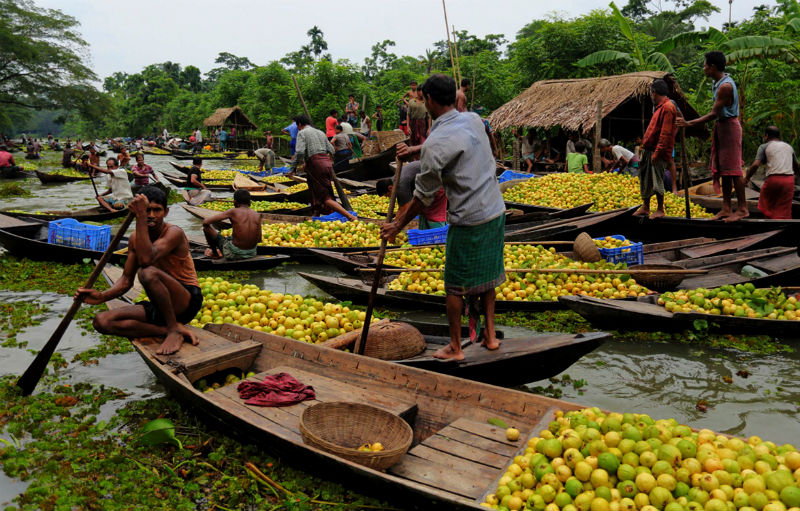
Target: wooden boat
95, 214
242, 182
645, 314
595, 224
184, 169
46, 178
200, 155
14, 172
666, 228
654, 253
780, 264
544, 354
704, 195
456, 457
257, 263
180, 182
356, 291
370, 168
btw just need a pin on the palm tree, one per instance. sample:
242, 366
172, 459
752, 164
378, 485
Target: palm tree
638, 60
428, 60
318, 44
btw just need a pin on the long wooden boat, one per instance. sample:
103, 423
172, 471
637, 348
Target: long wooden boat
666, 228
356, 291
456, 456
595, 224
704, 195
95, 214
180, 182
646, 315
242, 182
277, 215
46, 178
370, 168
780, 264
15, 172
542, 354
654, 253
183, 169
200, 155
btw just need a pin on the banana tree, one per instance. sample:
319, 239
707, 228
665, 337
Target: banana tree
636, 58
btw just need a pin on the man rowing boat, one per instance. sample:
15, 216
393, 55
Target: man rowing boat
158, 254
119, 192
457, 156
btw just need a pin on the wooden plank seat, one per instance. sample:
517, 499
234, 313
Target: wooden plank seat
212, 354
462, 458
326, 390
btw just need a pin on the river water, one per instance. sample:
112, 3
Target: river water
661, 379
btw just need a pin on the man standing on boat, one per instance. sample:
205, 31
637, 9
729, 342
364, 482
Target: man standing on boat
158, 254
315, 150
726, 141
659, 141
246, 225
457, 156
291, 130
777, 192
461, 95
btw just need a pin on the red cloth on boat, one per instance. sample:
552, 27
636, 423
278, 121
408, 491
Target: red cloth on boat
276, 390
775, 200
726, 150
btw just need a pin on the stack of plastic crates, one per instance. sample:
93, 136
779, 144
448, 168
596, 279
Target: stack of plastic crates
71, 233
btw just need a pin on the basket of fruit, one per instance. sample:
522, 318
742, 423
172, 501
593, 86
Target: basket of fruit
356, 432
659, 281
618, 249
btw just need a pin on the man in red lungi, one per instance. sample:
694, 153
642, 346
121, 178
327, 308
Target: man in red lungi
314, 149
726, 143
777, 191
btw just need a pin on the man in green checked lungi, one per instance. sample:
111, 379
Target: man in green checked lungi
457, 155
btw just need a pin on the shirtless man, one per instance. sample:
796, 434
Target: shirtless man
158, 254
410, 94
461, 95
246, 230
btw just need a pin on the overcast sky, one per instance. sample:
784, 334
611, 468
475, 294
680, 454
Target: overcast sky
128, 35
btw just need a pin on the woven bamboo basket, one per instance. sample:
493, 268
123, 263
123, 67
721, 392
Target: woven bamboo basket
341, 428
394, 341
659, 281
387, 139
705, 189
585, 249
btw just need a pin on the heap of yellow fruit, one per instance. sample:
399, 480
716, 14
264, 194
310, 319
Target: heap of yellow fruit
26, 165
157, 150
611, 242
218, 174
373, 447
69, 173
587, 460
741, 300
322, 234
293, 316
530, 286
219, 182
299, 187
607, 191
255, 205
277, 178
371, 206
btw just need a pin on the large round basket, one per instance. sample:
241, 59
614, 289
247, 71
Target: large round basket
585, 249
341, 428
705, 189
394, 341
658, 281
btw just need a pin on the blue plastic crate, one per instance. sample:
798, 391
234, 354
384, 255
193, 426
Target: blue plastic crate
428, 236
631, 255
281, 170
510, 175
333, 217
72, 233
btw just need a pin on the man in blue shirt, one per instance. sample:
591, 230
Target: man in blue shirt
223, 138
291, 130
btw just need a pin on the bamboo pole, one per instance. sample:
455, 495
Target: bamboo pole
474, 71
300, 95
449, 44
597, 128
686, 180
458, 64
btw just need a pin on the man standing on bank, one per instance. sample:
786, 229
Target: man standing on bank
726, 141
457, 156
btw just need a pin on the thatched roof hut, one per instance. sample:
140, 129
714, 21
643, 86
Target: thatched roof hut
232, 117
572, 105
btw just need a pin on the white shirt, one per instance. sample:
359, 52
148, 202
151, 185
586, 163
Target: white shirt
164, 134
778, 156
119, 185
198, 136
347, 128
620, 152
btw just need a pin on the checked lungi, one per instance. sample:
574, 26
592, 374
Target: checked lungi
474, 257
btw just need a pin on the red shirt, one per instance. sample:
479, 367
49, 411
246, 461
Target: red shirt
660, 134
437, 211
6, 159
330, 126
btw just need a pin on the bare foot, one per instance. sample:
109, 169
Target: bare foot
490, 343
658, 214
212, 254
172, 343
721, 215
642, 212
738, 215
447, 353
188, 334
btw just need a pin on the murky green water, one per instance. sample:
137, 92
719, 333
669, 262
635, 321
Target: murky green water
663, 380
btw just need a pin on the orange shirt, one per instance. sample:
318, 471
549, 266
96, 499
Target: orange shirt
330, 126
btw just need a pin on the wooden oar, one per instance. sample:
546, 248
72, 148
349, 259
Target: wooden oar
362, 340
27, 382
